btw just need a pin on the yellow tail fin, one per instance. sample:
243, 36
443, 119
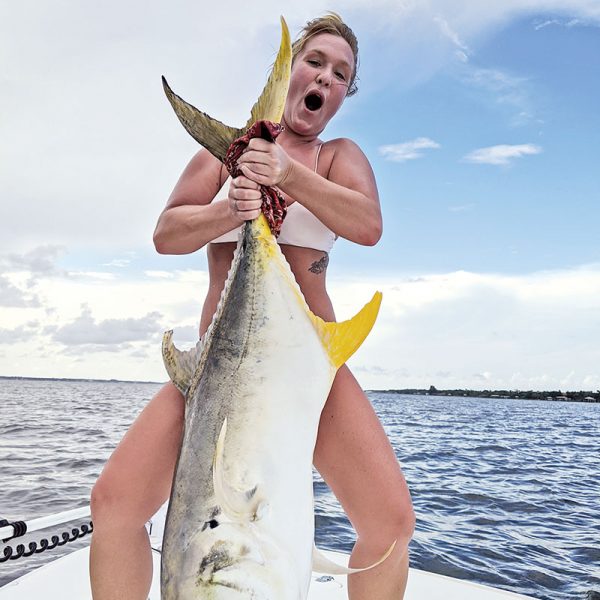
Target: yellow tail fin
272, 100
342, 340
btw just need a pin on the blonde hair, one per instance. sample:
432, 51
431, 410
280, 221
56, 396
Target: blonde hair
330, 23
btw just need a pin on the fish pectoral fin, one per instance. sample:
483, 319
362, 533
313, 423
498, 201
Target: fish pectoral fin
180, 365
270, 104
215, 136
322, 564
342, 340
237, 505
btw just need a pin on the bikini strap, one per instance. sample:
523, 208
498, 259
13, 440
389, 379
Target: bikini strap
317, 158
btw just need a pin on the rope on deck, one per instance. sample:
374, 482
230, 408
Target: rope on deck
19, 551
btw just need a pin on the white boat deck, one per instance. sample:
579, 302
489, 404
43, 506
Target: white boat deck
67, 578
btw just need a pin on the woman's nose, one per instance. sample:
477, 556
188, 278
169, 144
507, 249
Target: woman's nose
324, 78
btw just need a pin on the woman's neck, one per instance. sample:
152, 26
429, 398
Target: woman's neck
290, 139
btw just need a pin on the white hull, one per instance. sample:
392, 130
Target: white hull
67, 579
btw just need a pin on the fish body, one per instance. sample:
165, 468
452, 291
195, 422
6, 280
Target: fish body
240, 523
263, 367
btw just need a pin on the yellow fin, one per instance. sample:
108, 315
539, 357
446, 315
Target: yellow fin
342, 340
270, 104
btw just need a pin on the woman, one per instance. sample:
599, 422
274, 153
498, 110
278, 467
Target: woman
331, 192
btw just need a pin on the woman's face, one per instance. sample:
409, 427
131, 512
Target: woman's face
319, 81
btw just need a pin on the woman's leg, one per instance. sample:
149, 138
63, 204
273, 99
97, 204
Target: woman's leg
355, 458
135, 482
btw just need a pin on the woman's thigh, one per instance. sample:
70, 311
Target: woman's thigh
137, 478
356, 459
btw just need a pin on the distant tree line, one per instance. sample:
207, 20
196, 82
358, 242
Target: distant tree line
555, 395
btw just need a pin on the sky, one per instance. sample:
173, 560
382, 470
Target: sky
480, 120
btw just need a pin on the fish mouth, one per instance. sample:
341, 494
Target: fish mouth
313, 100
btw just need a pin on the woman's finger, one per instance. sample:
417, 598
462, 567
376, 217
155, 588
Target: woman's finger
246, 194
252, 156
246, 205
244, 182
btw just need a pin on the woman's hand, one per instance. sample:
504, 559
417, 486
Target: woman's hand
244, 199
266, 163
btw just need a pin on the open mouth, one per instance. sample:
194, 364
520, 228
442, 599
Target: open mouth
313, 102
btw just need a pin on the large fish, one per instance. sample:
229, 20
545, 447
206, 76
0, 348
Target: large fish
240, 522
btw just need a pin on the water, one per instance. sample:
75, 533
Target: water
506, 492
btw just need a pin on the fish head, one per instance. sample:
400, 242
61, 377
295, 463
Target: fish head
230, 561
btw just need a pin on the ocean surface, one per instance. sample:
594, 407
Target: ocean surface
507, 492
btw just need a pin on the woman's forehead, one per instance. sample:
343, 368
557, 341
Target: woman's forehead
331, 45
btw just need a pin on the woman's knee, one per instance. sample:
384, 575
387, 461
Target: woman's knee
395, 524
402, 523
137, 478
114, 507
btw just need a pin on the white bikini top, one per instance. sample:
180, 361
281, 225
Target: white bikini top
300, 227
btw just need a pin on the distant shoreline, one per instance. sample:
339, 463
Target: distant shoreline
551, 396
90, 379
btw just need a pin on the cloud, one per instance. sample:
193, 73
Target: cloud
41, 260
407, 150
511, 93
73, 175
501, 154
185, 336
109, 332
23, 333
118, 262
541, 24
462, 50
12, 296
462, 207
160, 274
97, 275
532, 331
450, 329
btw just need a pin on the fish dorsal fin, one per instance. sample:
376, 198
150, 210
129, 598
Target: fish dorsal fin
215, 136
322, 564
270, 104
342, 340
180, 365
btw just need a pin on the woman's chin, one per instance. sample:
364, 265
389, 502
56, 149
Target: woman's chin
304, 125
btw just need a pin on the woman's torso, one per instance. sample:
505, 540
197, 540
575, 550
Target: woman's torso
308, 264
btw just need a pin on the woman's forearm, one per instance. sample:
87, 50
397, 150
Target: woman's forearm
187, 228
348, 213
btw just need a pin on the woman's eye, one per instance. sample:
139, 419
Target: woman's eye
340, 76
313, 62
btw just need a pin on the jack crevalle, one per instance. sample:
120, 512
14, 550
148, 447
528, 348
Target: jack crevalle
240, 522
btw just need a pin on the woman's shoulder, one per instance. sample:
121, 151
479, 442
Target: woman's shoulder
343, 148
341, 144
342, 153
200, 181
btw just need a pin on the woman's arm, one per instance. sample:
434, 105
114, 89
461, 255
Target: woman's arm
190, 221
347, 202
